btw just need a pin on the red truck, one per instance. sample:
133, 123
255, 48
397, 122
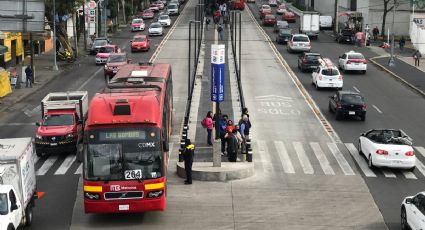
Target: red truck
62, 124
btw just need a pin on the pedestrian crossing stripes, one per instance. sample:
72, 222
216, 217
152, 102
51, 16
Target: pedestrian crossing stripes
280, 156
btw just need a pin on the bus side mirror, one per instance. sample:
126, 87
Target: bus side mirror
165, 146
37, 123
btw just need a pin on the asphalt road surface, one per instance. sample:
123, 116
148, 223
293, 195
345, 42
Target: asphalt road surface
390, 105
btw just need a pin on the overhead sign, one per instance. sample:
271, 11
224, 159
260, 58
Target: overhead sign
14, 19
217, 72
92, 13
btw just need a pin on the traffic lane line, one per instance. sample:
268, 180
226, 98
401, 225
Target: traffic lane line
377, 109
355, 88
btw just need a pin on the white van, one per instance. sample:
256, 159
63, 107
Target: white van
325, 22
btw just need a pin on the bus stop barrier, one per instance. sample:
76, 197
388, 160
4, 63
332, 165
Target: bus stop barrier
248, 150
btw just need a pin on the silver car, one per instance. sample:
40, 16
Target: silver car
298, 43
155, 29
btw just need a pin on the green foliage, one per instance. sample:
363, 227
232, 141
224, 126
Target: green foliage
298, 6
63, 7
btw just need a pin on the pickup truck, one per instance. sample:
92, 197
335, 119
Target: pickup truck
62, 126
17, 182
309, 24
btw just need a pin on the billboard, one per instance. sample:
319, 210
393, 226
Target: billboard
22, 15
217, 72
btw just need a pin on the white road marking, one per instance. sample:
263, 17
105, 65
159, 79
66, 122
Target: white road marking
419, 164
17, 124
265, 157
388, 173
79, 169
305, 163
355, 88
340, 159
327, 169
284, 157
66, 164
409, 175
379, 111
46, 166
89, 79
360, 160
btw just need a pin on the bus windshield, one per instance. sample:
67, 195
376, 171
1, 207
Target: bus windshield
126, 154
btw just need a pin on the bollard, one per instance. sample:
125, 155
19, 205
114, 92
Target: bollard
249, 156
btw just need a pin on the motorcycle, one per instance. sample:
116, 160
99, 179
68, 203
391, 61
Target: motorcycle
66, 55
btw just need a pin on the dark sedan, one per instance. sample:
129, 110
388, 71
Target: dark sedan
283, 36
345, 36
347, 104
308, 61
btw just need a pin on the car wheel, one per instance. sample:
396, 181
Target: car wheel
363, 71
412, 169
338, 115
330, 108
39, 154
369, 162
317, 87
363, 118
404, 224
359, 148
28, 215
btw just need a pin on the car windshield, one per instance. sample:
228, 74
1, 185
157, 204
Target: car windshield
164, 17
391, 137
312, 57
300, 39
125, 154
137, 21
106, 50
139, 39
117, 58
58, 120
285, 32
3, 204
352, 99
100, 42
266, 7
269, 17
330, 72
355, 56
172, 6
155, 25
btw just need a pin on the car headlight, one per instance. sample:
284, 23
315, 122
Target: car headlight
69, 136
38, 137
155, 194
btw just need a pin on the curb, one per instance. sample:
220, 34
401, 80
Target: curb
204, 171
395, 76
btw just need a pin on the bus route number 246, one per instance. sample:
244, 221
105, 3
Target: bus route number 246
133, 174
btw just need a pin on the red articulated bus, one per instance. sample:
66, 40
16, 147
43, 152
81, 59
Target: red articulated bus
126, 141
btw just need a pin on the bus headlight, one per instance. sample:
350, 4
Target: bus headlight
92, 196
38, 137
69, 136
155, 194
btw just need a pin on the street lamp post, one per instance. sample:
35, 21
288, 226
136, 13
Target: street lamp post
55, 66
391, 62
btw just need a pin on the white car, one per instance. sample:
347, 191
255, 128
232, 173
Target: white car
387, 148
299, 43
164, 20
155, 29
352, 61
413, 212
281, 9
173, 9
137, 25
327, 75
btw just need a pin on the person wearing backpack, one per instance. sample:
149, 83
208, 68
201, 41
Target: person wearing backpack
208, 123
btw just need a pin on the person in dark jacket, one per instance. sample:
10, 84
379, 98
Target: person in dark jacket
401, 43
29, 76
417, 56
232, 146
188, 154
222, 125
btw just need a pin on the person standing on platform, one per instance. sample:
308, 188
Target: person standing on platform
232, 145
222, 125
208, 123
188, 155
220, 32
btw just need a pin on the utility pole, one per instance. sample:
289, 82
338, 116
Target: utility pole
391, 62
55, 66
85, 31
336, 16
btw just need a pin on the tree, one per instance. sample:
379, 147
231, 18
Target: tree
63, 8
386, 10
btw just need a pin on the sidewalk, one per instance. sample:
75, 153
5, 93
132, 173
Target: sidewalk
404, 70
